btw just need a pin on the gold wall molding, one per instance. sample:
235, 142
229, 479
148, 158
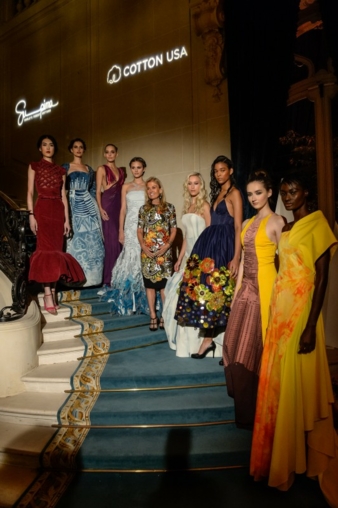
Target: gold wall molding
208, 20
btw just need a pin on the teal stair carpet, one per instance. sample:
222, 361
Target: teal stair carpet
135, 408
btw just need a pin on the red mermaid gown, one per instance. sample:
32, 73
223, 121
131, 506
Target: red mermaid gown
49, 263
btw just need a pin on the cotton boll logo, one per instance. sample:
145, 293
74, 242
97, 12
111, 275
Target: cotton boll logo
114, 74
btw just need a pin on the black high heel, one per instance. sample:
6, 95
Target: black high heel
212, 348
153, 324
161, 323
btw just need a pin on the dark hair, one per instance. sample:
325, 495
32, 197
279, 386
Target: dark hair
299, 177
71, 143
214, 185
47, 136
111, 144
262, 176
138, 159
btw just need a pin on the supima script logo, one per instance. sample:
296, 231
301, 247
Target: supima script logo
116, 73
24, 116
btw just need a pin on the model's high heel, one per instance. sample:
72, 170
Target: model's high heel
161, 323
212, 348
153, 324
51, 310
56, 305
221, 363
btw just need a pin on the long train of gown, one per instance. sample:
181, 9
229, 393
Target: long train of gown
245, 332
111, 203
184, 339
49, 263
127, 293
86, 242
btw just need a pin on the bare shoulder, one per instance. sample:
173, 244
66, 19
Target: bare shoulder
277, 221
245, 223
206, 207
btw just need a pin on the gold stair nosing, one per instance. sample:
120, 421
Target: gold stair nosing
144, 426
151, 389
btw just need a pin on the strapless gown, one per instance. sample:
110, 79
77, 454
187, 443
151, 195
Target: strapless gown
127, 293
185, 340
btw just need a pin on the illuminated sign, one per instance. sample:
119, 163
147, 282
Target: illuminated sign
24, 116
116, 73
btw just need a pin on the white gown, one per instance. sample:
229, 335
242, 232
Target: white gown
127, 294
183, 339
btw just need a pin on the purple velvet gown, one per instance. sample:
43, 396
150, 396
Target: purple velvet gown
111, 203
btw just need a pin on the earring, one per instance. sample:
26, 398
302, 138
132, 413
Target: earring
160, 196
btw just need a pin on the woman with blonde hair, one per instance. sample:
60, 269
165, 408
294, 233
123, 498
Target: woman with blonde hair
156, 233
195, 217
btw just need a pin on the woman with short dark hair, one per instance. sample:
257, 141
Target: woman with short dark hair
49, 221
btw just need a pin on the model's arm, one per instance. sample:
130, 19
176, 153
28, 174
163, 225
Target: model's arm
307, 342
237, 204
30, 194
66, 229
100, 175
206, 214
181, 255
123, 212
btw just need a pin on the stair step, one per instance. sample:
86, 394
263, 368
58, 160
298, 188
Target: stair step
53, 378
163, 448
132, 369
32, 408
60, 330
22, 444
58, 351
163, 407
14, 480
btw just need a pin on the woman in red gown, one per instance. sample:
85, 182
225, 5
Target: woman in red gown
49, 221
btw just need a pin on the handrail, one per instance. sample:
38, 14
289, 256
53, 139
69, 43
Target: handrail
16, 244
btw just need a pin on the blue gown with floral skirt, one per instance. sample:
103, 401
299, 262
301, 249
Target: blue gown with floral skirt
206, 291
86, 241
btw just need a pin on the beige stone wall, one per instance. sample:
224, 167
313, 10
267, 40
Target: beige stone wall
63, 50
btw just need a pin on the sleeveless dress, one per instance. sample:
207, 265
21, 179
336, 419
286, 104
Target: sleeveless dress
127, 293
49, 263
86, 242
206, 291
111, 203
183, 339
245, 332
293, 429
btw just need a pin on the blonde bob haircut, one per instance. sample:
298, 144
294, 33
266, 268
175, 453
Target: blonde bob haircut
201, 198
163, 202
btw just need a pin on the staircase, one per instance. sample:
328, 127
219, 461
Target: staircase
109, 399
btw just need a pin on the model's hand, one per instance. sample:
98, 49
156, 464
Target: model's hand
148, 252
177, 266
104, 215
307, 342
121, 237
162, 250
66, 228
233, 267
33, 224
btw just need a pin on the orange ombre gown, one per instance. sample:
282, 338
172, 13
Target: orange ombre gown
293, 429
